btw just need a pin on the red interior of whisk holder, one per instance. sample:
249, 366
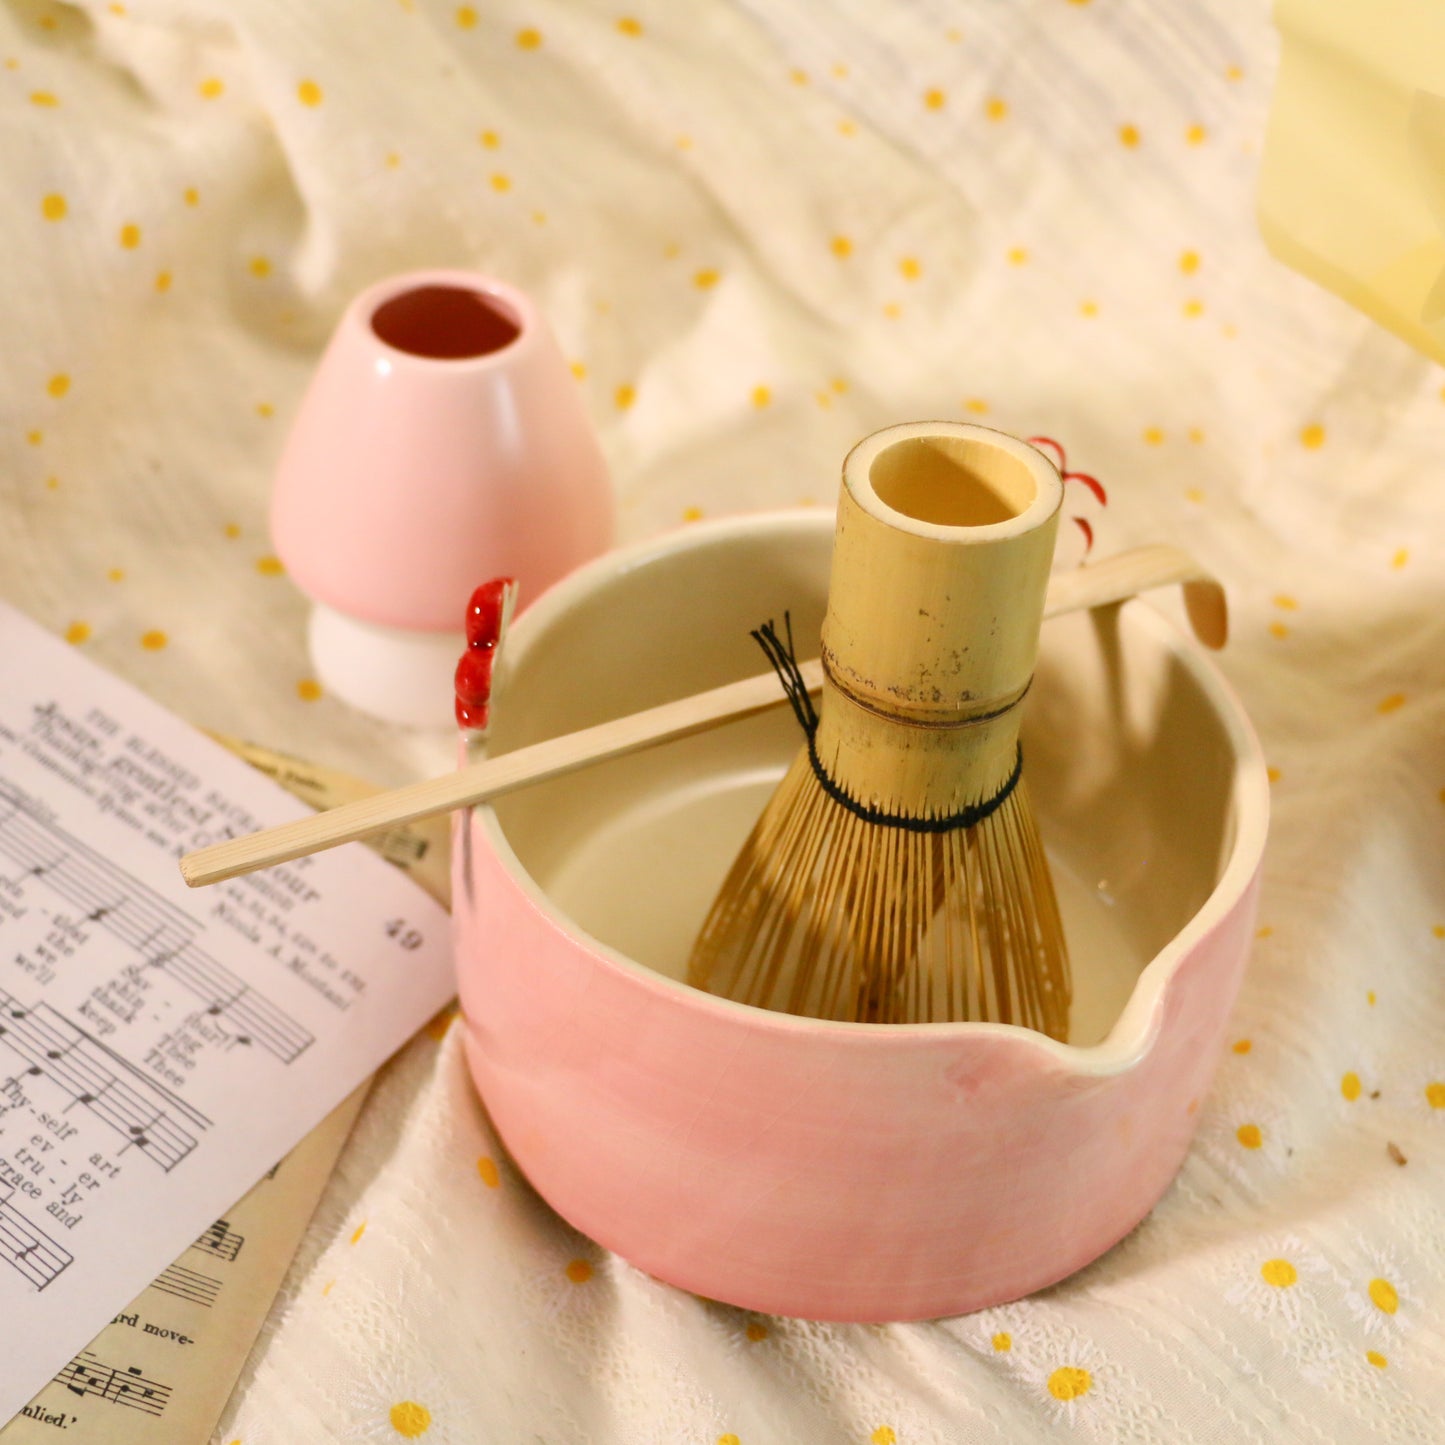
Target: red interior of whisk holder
446, 323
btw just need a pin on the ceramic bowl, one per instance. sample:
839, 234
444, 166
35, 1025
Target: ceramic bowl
829, 1170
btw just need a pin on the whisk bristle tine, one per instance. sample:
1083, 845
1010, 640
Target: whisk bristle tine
830, 916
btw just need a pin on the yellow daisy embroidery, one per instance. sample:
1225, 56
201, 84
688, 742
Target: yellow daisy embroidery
1069, 1382
410, 1419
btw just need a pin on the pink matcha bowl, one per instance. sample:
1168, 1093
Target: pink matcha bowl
828, 1170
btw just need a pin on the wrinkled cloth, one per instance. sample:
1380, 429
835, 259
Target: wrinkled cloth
761, 231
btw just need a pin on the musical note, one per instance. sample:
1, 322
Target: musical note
27, 1247
82, 1379
142, 919
146, 1115
221, 1240
86, 1375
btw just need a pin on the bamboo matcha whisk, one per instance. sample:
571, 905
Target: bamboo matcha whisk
897, 875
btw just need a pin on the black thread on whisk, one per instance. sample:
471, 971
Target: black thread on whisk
785, 664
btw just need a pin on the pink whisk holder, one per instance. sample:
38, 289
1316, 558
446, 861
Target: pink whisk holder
442, 441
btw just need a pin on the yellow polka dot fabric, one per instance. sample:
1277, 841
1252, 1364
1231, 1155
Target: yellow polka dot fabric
758, 233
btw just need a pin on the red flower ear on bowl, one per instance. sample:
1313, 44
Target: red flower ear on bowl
1074, 499
489, 614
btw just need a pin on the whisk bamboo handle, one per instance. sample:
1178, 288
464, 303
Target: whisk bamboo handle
941, 556
1094, 586
940, 564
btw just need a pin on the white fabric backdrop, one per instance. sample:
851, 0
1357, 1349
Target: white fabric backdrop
762, 230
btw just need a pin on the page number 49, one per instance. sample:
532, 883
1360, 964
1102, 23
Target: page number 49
407, 936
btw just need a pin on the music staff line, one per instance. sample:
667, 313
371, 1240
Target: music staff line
144, 921
27, 1247
188, 1284
78, 1063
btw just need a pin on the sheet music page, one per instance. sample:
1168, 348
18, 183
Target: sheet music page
216, 1293
220, 1288
161, 1048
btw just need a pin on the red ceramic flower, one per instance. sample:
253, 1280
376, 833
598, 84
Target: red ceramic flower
1055, 452
488, 613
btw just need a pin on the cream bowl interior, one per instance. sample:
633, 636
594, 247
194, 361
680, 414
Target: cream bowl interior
1131, 754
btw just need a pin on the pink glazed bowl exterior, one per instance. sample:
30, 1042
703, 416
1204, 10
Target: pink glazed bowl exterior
826, 1170
407, 479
